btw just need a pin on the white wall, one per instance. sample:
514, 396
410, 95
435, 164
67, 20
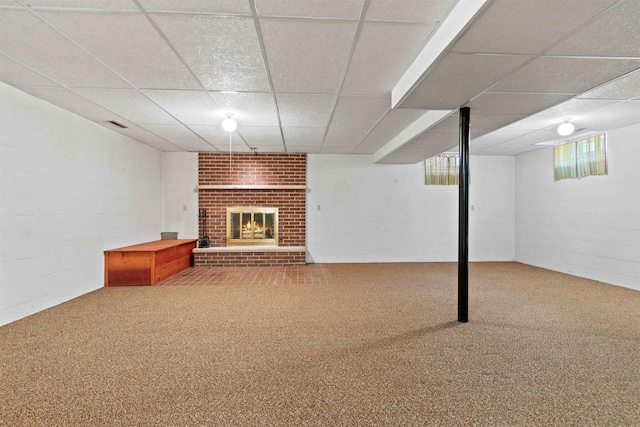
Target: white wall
587, 227
180, 201
385, 213
69, 189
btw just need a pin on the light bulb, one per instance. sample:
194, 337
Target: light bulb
229, 124
566, 129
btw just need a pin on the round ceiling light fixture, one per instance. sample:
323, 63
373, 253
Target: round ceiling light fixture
229, 124
566, 129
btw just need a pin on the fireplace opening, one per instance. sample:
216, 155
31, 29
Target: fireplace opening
252, 226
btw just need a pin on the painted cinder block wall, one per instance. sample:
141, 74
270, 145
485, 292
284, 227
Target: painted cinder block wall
69, 189
588, 227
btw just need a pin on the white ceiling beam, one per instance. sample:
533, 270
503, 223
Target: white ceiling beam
425, 121
454, 24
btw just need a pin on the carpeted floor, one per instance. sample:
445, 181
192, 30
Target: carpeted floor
341, 345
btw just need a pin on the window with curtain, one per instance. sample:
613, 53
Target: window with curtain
577, 159
441, 170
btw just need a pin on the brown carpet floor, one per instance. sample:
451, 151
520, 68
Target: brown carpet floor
362, 345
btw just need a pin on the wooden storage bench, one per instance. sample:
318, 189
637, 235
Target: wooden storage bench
147, 263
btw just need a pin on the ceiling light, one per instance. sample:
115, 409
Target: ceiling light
566, 129
229, 124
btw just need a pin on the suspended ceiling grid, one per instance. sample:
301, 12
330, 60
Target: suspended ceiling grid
318, 76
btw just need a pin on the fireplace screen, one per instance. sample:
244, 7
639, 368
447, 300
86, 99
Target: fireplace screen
252, 226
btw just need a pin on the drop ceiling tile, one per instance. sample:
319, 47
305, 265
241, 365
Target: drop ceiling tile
267, 148
190, 107
305, 110
615, 116
451, 136
336, 149
236, 7
416, 151
237, 148
309, 149
129, 104
409, 10
388, 48
459, 78
66, 99
14, 73
345, 137
569, 110
375, 140
626, 87
359, 111
146, 138
177, 134
31, 42
499, 136
514, 103
197, 148
399, 118
527, 27
223, 52
615, 33
217, 136
260, 136
565, 75
343, 9
84, 4
249, 109
148, 62
307, 56
296, 136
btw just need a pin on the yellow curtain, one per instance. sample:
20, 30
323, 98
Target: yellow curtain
591, 156
564, 161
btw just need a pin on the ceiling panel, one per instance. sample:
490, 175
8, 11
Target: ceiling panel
626, 87
498, 137
388, 48
30, 41
223, 52
147, 137
241, 147
344, 9
248, 109
615, 116
409, 10
65, 98
375, 140
570, 110
514, 103
565, 75
84, 4
399, 118
417, 151
307, 56
177, 134
345, 137
16, 74
359, 111
147, 63
217, 136
296, 136
260, 136
616, 33
544, 22
129, 104
305, 110
190, 107
458, 78
240, 7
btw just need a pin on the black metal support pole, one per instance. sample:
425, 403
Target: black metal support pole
463, 218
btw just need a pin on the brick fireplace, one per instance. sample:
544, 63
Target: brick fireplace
256, 182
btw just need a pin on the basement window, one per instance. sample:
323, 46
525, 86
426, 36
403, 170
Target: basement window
442, 170
581, 158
